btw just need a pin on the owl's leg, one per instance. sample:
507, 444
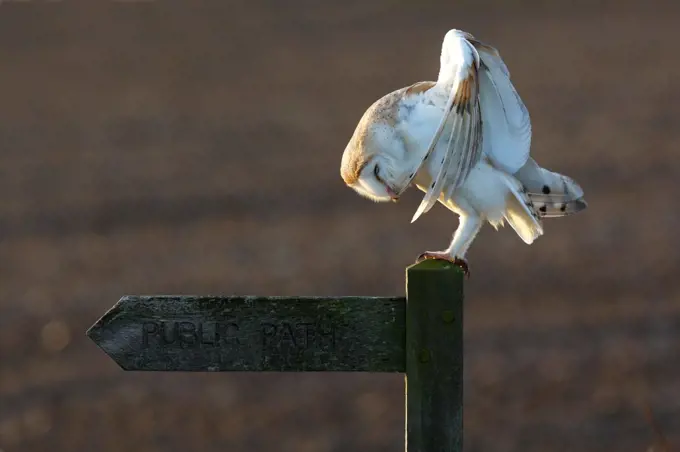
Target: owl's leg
467, 229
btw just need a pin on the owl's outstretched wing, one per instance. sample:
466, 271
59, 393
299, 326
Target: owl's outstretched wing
480, 92
507, 138
459, 75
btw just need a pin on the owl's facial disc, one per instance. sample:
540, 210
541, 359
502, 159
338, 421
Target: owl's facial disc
373, 184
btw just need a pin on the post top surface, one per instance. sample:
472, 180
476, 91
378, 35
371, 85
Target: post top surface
434, 265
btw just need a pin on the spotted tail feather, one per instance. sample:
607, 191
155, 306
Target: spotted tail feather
552, 194
550, 207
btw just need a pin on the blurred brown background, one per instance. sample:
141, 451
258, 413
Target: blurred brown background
189, 147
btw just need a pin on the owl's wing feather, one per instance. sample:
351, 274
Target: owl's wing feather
459, 74
508, 139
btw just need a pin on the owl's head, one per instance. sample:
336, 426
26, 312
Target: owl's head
376, 163
372, 162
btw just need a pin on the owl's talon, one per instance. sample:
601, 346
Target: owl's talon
441, 255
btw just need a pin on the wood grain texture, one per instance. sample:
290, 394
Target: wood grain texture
434, 357
204, 333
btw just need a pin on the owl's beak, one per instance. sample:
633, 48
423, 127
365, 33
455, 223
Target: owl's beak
393, 194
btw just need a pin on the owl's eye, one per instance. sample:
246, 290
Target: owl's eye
376, 170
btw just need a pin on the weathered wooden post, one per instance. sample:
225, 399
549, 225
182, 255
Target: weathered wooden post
420, 335
434, 358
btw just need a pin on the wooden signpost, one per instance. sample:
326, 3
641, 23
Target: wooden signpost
420, 335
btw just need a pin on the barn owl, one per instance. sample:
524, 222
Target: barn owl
464, 141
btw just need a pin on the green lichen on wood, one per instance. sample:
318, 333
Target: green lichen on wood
434, 386
206, 333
